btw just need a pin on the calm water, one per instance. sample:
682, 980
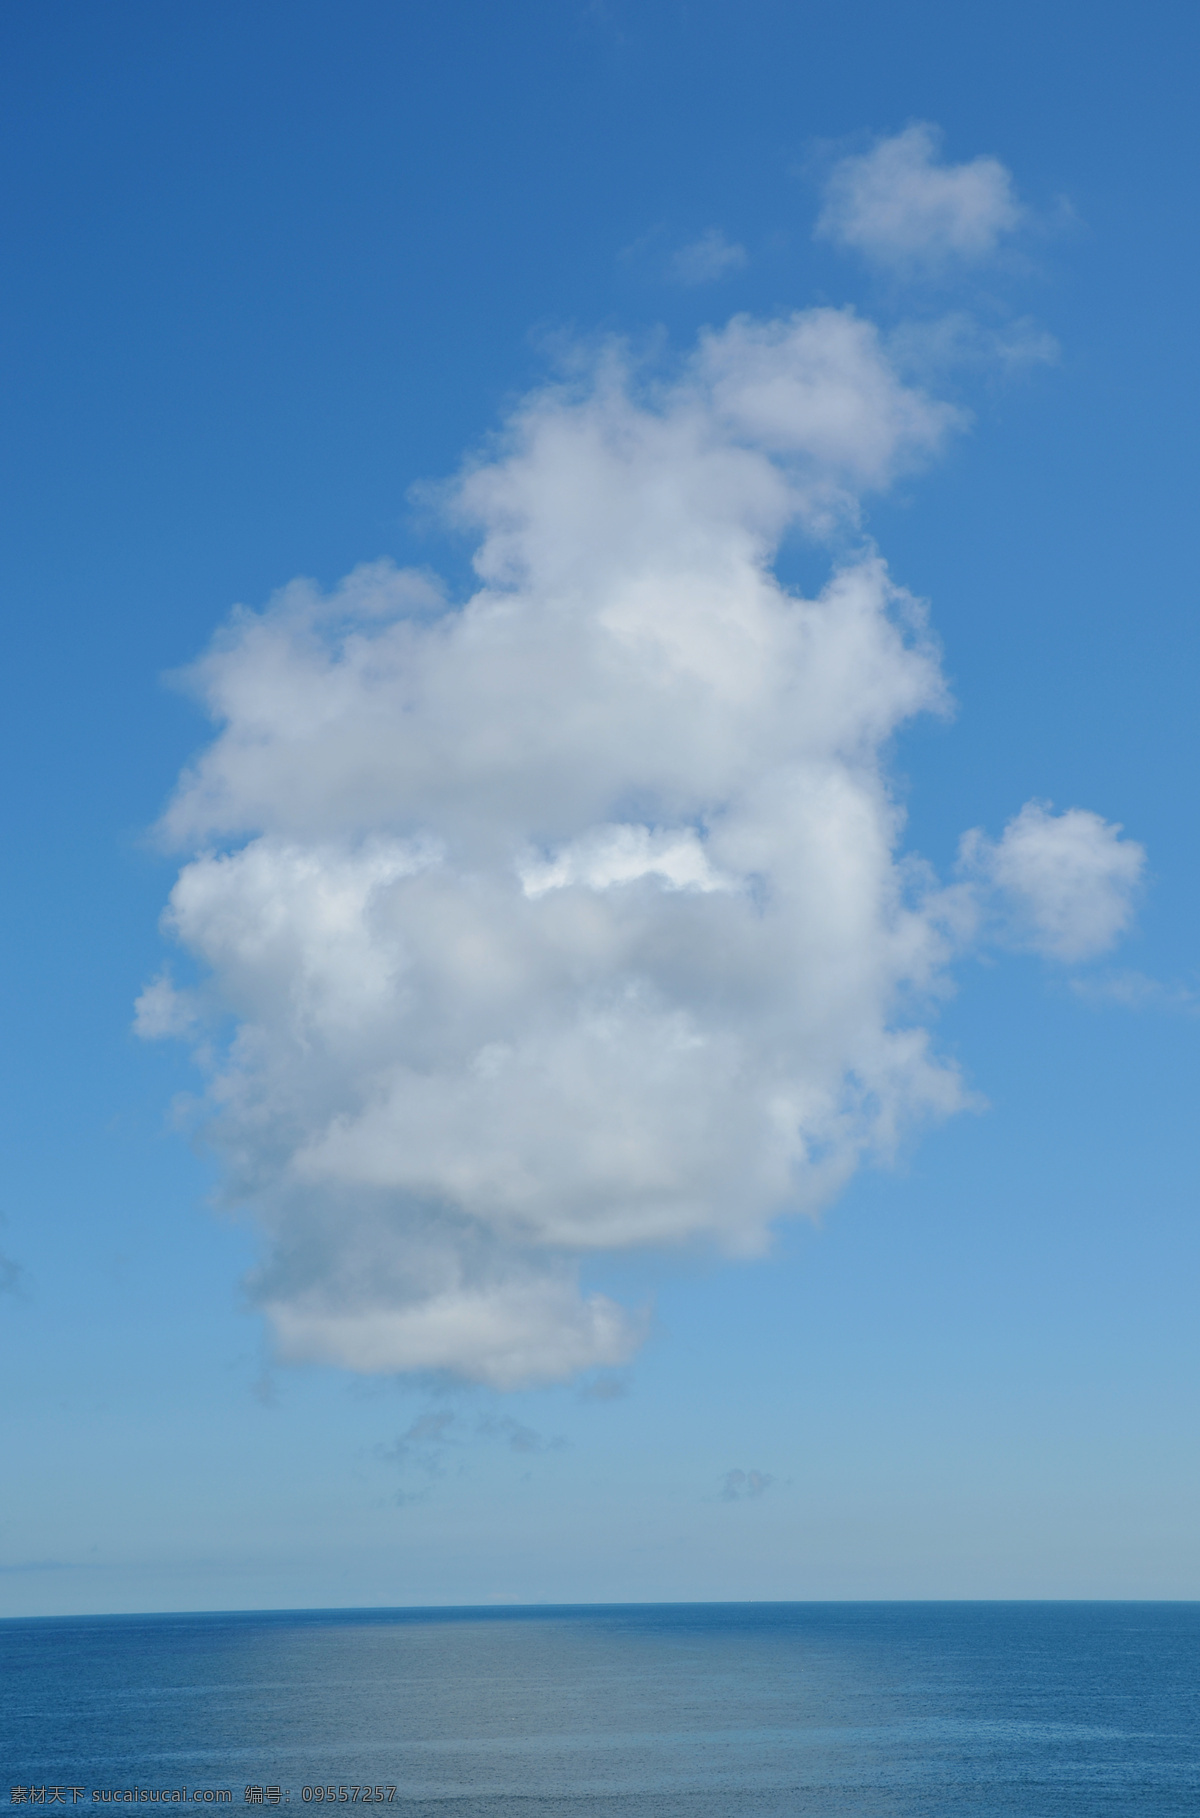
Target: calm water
672, 1711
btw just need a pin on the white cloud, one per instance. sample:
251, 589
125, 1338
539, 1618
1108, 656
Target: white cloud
621, 855
161, 1011
572, 921
705, 260
1066, 882
818, 390
900, 206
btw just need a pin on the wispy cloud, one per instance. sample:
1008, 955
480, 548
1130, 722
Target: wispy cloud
1130, 990
426, 1442
740, 1486
705, 260
957, 342
517, 1436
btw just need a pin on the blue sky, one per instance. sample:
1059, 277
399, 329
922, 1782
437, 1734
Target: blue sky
274, 275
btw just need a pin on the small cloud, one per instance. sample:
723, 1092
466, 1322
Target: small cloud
739, 1486
162, 1012
1064, 884
710, 257
901, 205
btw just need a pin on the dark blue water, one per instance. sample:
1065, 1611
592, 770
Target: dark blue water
669, 1711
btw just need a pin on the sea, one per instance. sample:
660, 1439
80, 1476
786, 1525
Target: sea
764, 1710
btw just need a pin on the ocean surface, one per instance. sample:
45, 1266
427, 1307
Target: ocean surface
645, 1711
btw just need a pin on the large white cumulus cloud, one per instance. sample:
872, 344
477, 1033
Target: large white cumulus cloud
572, 920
